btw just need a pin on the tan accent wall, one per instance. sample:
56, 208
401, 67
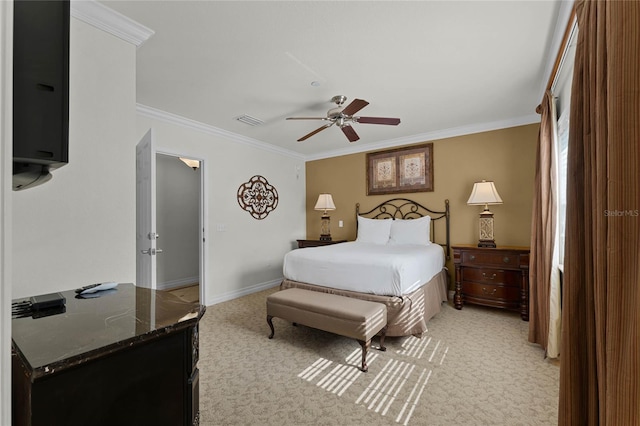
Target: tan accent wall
506, 156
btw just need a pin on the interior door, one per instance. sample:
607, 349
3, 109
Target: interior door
146, 237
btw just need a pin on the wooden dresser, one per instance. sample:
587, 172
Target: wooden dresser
128, 356
497, 277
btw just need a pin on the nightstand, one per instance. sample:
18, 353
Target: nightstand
497, 277
317, 243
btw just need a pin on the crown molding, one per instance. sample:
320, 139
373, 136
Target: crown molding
110, 21
430, 136
168, 117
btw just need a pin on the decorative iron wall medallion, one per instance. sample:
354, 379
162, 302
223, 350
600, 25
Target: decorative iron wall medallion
258, 197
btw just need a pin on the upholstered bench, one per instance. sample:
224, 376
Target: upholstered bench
346, 316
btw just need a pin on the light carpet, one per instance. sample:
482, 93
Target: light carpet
472, 367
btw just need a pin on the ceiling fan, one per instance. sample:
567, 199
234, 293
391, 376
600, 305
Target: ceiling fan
343, 116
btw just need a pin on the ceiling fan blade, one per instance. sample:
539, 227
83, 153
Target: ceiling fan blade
377, 120
306, 118
355, 106
350, 133
318, 130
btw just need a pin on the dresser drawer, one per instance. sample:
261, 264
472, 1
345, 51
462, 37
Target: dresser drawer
491, 291
492, 276
491, 258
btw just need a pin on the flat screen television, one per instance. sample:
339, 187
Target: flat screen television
40, 90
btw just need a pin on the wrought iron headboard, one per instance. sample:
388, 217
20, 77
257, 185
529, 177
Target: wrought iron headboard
403, 208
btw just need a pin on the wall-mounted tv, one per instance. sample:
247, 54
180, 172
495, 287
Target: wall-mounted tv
40, 90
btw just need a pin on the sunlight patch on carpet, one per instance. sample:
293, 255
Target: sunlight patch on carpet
341, 376
417, 348
389, 389
315, 369
444, 355
414, 397
395, 391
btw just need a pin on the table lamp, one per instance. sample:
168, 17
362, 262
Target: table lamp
485, 193
324, 203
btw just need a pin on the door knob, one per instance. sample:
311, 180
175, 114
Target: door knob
151, 251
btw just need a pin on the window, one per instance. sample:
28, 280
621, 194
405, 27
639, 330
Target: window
562, 151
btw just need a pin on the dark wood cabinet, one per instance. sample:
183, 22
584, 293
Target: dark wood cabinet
317, 243
125, 358
497, 277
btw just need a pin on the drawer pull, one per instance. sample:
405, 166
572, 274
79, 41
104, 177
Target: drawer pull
472, 257
505, 259
484, 275
489, 293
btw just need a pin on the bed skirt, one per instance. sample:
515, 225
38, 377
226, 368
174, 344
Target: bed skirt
407, 315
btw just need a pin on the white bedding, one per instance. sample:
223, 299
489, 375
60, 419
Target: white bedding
382, 269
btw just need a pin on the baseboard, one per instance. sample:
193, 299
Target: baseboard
168, 285
243, 292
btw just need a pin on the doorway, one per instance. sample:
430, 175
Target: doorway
170, 221
178, 198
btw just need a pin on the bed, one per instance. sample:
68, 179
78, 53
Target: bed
397, 259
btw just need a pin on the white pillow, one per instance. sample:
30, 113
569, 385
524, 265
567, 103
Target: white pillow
411, 231
373, 230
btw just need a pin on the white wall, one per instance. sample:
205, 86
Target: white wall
247, 255
177, 222
6, 148
79, 228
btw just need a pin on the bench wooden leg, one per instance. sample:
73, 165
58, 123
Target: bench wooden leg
382, 336
269, 317
365, 347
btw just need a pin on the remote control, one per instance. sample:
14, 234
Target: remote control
92, 288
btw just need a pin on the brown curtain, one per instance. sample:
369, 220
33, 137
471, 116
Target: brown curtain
600, 362
543, 224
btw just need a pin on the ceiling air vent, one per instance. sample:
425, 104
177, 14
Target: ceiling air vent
251, 121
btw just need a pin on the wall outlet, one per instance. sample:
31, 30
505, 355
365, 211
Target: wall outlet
340, 224
221, 227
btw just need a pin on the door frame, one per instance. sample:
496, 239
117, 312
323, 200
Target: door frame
202, 212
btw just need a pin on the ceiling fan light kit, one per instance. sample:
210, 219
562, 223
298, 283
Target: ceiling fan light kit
343, 117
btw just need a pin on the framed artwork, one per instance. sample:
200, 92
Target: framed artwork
408, 169
258, 197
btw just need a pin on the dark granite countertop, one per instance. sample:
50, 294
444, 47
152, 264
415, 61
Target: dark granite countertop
92, 327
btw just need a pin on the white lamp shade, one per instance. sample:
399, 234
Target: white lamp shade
325, 202
484, 193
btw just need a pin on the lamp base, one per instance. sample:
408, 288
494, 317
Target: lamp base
487, 243
486, 229
325, 228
